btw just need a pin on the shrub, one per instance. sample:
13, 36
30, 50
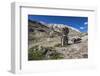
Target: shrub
35, 54
56, 56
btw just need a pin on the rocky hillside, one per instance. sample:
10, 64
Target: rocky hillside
44, 37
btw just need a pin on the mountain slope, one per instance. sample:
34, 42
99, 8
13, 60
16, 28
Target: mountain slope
49, 36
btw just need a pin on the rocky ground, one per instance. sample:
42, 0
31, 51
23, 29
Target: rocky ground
71, 51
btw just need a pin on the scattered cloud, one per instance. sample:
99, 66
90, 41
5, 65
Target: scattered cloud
85, 23
81, 28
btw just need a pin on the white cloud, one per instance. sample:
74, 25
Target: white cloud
85, 23
81, 28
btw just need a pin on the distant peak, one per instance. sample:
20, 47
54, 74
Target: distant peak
62, 26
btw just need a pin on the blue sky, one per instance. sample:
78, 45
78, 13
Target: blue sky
80, 23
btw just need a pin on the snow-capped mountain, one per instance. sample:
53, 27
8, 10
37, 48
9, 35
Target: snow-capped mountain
58, 27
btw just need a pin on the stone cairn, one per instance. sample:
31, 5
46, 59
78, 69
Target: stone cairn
64, 37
